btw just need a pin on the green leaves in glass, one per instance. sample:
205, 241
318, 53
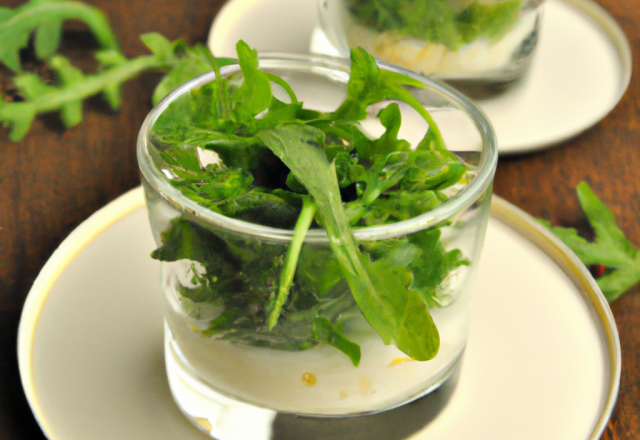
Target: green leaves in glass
321, 156
325, 331
447, 22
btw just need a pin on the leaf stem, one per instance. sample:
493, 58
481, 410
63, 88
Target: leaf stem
433, 130
20, 114
282, 83
32, 15
291, 259
94, 84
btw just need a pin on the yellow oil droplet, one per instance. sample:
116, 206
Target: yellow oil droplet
204, 423
365, 384
309, 379
400, 360
194, 328
342, 394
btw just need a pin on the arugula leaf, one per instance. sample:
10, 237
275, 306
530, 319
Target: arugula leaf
431, 170
43, 98
213, 185
186, 240
71, 111
347, 132
324, 331
75, 86
419, 174
607, 231
186, 62
182, 161
385, 172
45, 18
318, 269
611, 247
261, 207
369, 84
229, 191
589, 252
398, 206
295, 327
107, 59
391, 119
254, 95
620, 280
433, 265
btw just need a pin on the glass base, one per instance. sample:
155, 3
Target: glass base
489, 87
224, 418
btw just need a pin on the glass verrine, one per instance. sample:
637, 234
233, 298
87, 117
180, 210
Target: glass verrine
479, 46
221, 357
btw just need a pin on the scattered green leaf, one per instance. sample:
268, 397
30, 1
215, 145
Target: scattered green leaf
611, 248
45, 18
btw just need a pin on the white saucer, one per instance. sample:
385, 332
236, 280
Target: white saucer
542, 362
581, 68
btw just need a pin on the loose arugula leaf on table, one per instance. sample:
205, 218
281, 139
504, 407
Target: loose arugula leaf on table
75, 86
45, 18
611, 248
67, 96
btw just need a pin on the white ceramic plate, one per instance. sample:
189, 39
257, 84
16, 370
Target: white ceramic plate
581, 68
542, 362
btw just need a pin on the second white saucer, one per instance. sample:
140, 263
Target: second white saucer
581, 68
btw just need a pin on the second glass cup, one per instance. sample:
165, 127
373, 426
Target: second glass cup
479, 46
220, 274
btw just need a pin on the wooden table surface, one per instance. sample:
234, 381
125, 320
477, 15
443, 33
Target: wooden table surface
54, 179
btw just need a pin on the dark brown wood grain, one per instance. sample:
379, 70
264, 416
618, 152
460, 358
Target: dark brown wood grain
54, 179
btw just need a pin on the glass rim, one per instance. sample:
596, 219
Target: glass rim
319, 63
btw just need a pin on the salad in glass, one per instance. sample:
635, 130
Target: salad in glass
473, 44
319, 223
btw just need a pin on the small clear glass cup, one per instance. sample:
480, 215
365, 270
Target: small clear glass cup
220, 384
478, 46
